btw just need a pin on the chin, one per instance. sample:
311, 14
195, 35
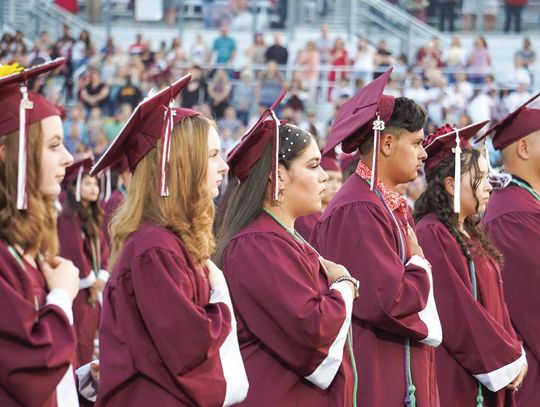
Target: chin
215, 192
52, 191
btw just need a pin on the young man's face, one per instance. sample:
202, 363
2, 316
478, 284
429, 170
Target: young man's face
406, 156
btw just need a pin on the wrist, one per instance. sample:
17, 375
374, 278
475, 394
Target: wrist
355, 284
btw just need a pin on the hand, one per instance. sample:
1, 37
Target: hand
94, 295
215, 275
334, 270
61, 273
518, 381
99, 284
412, 241
94, 371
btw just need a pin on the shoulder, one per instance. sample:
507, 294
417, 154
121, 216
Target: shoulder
151, 238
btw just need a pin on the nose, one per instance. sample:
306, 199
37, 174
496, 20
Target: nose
423, 155
323, 176
224, 167
67, 159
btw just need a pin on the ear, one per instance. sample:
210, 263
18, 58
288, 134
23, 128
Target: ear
387, 143
3, 152
522, 148
449, 185
283, 177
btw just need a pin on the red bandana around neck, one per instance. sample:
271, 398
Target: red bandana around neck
393, 199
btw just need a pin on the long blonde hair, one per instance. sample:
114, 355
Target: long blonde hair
34, 229
189, 210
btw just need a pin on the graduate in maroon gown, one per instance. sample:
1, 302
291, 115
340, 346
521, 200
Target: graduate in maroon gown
123, 176
82, 241
512, 219
293, 307
167, 334
480, 360
367, 227
304, 224
37, 340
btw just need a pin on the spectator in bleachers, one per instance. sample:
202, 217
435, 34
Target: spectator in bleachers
392, 88
324, 44
39, 51
109, 46
255, 54
229, 121
75, 129
417, 8
484, 106
473, 8
277, 52
224, 48
83, 49
456, 55
94, 126
219, 93
108, 68
199, 51
228, 141
516, 98
416, 91
312, 125
309, 60
341, 91
113, 125
194, 93
175, 53
243, 96
436, 94
270, 84
519, 75
138, 47
512, 11
297, 97
462, 86
339, 58
527, 56
95, 92
429, 52
479, 61
364, 60
383, 58
447, 12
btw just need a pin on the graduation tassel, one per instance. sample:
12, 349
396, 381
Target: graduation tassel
166, 134
105, 185
497, 179
26, 104
378, 127
78, 184
275, 160
457, 175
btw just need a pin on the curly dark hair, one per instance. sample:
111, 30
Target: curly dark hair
435, 199
91, 217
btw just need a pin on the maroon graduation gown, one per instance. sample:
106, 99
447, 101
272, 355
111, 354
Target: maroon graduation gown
75, 247
512, 219
287, 319
109, 209
36, 347
478, 337
395, 301
305, 224
159, 336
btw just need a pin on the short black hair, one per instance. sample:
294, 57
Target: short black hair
407, 115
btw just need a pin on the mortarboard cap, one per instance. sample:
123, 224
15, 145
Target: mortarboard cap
75, 172
21, 108
515, 125
354, 120
449, 141
329, 161
153, 119
251, 146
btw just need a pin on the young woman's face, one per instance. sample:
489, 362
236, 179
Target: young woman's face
304, 183
54, 157
217, 168
334, 183
89, 189
470, 197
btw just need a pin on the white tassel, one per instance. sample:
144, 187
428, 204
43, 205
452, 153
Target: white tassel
275, 190
26, 104
166, 150
78, 184
457, 175
378, 127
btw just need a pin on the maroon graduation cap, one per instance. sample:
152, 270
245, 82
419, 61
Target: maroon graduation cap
153, 119
75, 172
449, 141
21, 108
329, 161
362, 116
515, 125
251, 146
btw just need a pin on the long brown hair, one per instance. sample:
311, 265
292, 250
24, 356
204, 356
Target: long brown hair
34, 229
435, 199
91, 217
189, 210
